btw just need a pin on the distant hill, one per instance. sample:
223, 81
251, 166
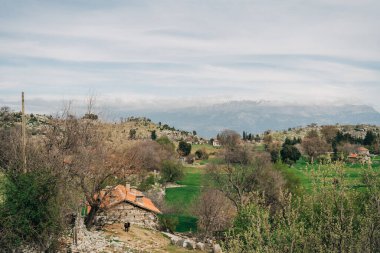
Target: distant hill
256, 117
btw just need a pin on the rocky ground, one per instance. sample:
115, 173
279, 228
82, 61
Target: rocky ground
114, 239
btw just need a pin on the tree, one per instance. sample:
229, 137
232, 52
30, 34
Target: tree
229, 139
30, 211
153, 135
215, 212
89, 163
240, 183
329, 133
166, 143
369, 138
132, 134
90, 116
194, 132
290, 154
184, 148
314, 147
146, 155
201, 154
171, 171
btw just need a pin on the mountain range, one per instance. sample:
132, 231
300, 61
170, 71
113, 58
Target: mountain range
258, 116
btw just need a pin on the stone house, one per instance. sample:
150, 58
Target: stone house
362, 151
361, 155
216, 143
126, 204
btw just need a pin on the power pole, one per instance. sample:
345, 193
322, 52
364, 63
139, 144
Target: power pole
23, 129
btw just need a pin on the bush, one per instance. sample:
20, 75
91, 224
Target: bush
147, 183
30, 211
184, 148
290, 154
201, 154
171, 171
168, 223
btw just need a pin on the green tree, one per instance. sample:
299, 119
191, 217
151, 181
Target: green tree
132, 134
201, 154
369, 138
153, 135
184, 148
290, 154
30, 211
171, 171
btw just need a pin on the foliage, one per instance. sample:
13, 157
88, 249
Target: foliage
369, 138
168, 223
171, 171
184, 148
291, 177
147, 183
90, 116
290, 154
132, 134
166, 143
153, 135
201, 154
314, 147
215, 212
241, 182
30, 211
330, 219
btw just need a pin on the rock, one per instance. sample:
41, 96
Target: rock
216, 248
189, 244
174, 240
180, 242
200, 246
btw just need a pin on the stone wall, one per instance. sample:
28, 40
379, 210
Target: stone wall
126, 212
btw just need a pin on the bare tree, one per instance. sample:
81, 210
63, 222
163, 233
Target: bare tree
240, 183
314, 147
329, 133
215, 212
86, 158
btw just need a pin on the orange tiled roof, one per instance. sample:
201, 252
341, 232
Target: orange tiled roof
353, 155
120, 193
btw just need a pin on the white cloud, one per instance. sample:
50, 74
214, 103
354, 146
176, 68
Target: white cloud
144, 51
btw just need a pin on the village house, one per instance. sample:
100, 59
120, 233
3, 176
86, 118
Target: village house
124, 204
361, 155
216, 143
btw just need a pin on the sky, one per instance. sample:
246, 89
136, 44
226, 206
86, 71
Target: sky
166, 54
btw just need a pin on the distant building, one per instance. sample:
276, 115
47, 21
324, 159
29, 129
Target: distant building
362, 151
126, 204
361, 155
216, 143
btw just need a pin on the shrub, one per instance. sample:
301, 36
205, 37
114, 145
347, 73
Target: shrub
147, 183
171, 171
184, 148
201, 154
30, 212
168, 223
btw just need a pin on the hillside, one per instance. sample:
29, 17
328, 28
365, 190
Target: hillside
132, 128
357, 131
256, 117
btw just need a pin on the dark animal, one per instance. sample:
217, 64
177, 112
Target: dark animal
127, 225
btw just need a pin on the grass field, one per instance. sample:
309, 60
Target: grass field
184, 198
209, 148
352, 172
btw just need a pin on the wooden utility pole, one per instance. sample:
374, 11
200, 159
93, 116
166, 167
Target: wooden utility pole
23, 129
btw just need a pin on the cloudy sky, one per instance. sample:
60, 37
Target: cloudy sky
177, 53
